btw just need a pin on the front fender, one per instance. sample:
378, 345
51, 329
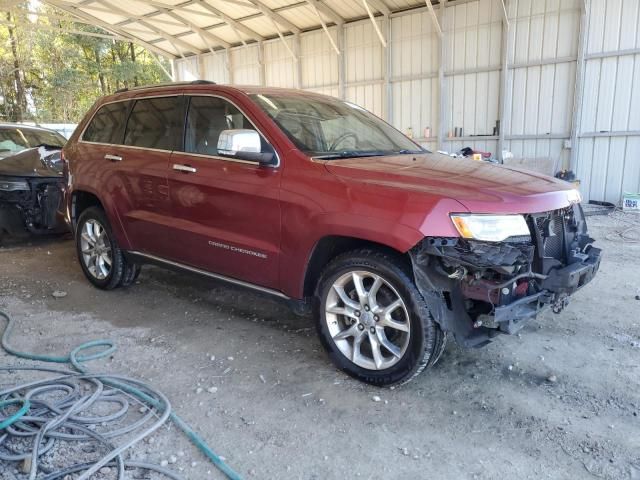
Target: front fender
296, 258
392, 234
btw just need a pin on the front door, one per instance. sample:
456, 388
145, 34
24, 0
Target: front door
226, 212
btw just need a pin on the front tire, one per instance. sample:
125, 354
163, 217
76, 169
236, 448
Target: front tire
100, 256
373, 321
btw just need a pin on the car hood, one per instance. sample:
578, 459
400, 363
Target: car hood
479, 186
33, 162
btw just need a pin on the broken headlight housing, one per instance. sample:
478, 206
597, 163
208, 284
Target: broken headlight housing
490, 228
13, 185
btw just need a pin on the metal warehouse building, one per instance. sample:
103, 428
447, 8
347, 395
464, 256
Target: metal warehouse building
543, 79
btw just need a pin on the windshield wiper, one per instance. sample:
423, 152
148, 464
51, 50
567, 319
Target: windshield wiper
352, 154
49, 146
408, 152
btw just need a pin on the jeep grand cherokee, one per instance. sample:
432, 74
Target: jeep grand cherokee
317, 201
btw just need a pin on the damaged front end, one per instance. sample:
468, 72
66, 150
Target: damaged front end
478, 289
30, 204
31, 193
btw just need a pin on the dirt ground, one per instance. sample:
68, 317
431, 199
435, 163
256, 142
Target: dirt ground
281, 411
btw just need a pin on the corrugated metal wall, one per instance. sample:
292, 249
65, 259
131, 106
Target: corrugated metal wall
401, 83
541, 79
609, 124
415, 56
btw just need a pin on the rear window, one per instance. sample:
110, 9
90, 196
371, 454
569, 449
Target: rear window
155, 123
107, 124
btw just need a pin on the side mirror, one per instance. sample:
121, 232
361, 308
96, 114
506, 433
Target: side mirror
243, 144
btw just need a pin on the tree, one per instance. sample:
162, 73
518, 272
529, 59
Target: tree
47, 75
21, 99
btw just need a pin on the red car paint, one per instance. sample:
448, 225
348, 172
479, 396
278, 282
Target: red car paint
260, 224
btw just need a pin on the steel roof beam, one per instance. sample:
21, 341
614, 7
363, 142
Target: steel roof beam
164, 8
231, 22
381, 7
200, 31
131, 18
75, 11
374, 23
329, 12
173, 40
274, 16
39, 26
326, 30
434, 17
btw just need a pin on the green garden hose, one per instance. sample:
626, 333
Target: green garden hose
33, 411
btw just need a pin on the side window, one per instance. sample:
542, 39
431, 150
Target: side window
107, 124
207, 118
155, 123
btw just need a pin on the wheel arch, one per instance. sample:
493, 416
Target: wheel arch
80, 201
330, 246
83, 198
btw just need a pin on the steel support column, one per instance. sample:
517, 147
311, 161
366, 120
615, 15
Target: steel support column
262, 72
505, 97
341, 62
174, 70
297, 64
228, 64
442, 82
578, 94
388, 92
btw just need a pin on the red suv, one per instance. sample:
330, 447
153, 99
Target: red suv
317, 201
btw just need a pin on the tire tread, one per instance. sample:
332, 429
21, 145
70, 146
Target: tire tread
123, 273
434, 338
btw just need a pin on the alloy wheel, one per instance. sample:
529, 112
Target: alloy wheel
96, 249
367, 320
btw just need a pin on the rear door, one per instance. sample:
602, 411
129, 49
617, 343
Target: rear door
97, 160
154, 128
226, 212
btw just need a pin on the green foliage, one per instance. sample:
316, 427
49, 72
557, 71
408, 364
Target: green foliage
63, 73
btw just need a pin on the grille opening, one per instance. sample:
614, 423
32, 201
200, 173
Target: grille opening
551, 228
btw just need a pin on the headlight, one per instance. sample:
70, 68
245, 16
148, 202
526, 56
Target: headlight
13, 186
490, 228
574, 196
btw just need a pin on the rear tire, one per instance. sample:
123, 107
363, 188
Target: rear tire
100, 256
373, 321
131, 274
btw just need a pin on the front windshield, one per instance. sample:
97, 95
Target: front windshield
325, 127
16, 139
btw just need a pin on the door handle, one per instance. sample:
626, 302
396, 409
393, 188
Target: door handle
184, 168
113, 158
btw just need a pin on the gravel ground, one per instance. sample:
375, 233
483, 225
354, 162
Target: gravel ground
560, 400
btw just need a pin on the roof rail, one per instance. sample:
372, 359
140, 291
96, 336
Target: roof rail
168, 84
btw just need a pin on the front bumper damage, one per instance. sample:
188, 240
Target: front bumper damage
31, 204
478, 290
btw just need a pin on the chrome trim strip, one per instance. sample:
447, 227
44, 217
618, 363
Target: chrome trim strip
216, 157
148, 149
213, 275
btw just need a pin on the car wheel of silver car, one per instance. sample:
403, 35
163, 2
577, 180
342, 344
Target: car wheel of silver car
102, 260
373, 321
